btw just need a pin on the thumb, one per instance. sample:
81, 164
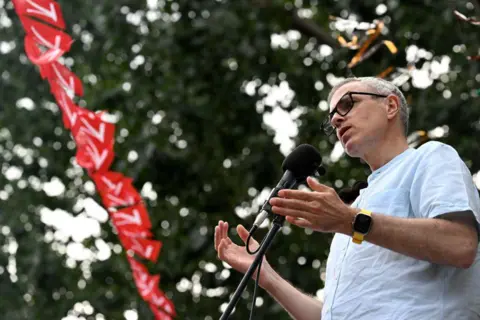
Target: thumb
243, 233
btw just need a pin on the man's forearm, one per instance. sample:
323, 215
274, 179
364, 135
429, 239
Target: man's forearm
299, 305
435, 240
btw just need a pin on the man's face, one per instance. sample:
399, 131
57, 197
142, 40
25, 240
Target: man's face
365, 124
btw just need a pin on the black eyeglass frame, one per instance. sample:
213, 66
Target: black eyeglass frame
327, 126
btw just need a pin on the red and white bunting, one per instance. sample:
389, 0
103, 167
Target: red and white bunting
44, 45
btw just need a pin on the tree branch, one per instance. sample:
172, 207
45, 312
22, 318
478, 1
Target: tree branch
309, 28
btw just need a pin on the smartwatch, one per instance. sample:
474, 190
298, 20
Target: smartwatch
362, 223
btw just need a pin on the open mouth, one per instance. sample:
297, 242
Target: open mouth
343, 131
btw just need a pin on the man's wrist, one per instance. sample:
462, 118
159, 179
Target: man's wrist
347, 225
270, 277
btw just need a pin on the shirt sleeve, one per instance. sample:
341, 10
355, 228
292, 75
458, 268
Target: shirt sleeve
443, 184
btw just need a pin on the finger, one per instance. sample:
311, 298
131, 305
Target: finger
293, 204
298, 194
215, 238
243, 233
316, 186
300, 222
220, 229
221, 249
225, 230
292, 212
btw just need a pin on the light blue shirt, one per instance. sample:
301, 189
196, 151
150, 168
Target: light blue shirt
368, 282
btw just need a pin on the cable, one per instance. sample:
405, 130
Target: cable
254, 228
257, 281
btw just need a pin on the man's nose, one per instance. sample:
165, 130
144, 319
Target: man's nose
337, 120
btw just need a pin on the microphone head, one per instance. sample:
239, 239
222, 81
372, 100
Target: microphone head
303, 161
357, 186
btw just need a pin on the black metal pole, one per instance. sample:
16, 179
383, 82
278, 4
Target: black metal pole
277, 224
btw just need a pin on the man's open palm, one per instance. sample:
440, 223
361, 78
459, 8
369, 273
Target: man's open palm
235, 255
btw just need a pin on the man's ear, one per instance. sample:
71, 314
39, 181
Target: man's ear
393, 106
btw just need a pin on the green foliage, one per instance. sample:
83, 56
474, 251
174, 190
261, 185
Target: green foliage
211, 146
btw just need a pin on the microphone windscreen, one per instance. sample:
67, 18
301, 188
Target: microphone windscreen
303, 161
360, 185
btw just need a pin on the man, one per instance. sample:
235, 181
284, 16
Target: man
407, 247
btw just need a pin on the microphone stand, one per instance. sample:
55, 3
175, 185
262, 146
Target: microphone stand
277, 224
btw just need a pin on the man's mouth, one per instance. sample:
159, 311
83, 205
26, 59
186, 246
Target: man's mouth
342, 133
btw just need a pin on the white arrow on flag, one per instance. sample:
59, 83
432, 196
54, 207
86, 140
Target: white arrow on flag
50, 13
98, 159
89, 129
126, 219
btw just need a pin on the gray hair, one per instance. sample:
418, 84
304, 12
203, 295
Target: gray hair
379, 86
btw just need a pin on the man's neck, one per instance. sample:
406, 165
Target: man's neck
385, 150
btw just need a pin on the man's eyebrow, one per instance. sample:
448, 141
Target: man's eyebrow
342, 97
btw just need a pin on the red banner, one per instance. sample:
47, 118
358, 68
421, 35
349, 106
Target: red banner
95, 138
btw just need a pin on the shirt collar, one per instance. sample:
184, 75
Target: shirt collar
389, 164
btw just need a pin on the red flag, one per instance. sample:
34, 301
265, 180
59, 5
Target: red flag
94, 138
91, 125
135, 216
134, 232
70, 111
46, 10
145, 248
136, 266
55, 41
39, 57
92, 155
45, 35
160, 300
159, 314
116, 190
34, 54
65, 77
145, 282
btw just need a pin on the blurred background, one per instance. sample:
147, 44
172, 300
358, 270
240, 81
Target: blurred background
210, 96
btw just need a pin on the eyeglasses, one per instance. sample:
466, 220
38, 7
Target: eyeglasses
343, 107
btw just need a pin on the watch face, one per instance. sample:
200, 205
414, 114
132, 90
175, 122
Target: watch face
362, 223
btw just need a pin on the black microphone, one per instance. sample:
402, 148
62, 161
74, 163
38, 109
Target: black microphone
302, 162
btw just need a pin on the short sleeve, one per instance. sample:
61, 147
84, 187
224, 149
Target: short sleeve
442, 183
